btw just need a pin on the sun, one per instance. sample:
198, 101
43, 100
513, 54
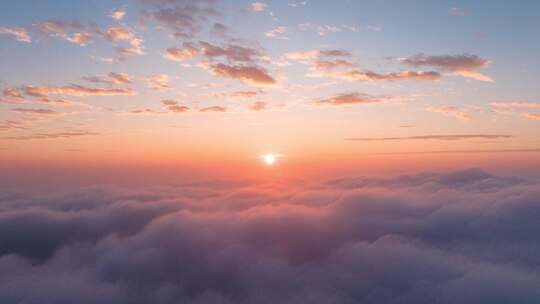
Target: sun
269, 159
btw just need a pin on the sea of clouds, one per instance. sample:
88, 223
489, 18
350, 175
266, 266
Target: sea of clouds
459, 237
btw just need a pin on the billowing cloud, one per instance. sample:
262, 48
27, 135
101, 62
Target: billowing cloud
354, 98
435, 137
465, 65
250, 74
213, 109
450, 111
158, 82
459, 237
174, 106
19, 33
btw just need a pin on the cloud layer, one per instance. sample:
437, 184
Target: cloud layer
461, 237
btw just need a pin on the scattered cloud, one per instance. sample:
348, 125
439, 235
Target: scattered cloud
19, 33
258, 106
118, 34
187, 52
250, 74
60, 29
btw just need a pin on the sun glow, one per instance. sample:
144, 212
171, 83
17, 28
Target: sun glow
269, 159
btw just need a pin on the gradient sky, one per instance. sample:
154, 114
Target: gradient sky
449, 83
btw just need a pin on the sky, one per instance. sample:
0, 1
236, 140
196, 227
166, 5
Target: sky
212, 151
215, 84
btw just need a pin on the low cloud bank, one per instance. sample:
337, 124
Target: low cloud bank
461, 237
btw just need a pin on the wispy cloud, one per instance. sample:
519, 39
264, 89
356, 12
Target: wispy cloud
354, 98
450, 111
450, 137
532, 116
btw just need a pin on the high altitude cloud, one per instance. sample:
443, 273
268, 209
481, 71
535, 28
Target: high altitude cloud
465, 65
60, 29
184, 18
450, 111
354, 98
331, 64
19, 33
459, 237
435, 137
